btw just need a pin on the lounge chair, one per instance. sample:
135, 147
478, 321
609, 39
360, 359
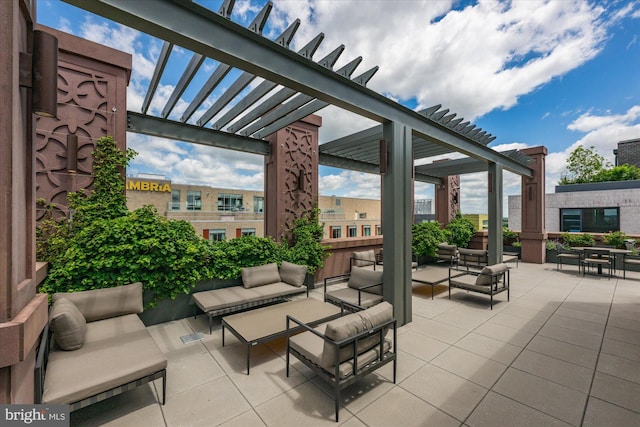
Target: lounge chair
363, 259
448, 253
490, 281
476, 258
364, 289
564, 254
346, 349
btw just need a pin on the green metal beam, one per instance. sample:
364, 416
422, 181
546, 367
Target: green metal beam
203, 31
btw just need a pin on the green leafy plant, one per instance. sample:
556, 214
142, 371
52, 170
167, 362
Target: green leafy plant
301, 244
459, 231
578, 239
509, 237
517, 244
551, 245
615, 238
52, 234
227, 258
426, 238
167, 256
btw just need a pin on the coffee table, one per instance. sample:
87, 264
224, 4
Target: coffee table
268, 323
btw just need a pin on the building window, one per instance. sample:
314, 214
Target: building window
338, 201
352, 230
378, 230
362, 215
336, 232
247, 232
230, 202
175, 200
194, 200
217, 234
366, 230
590, 220
258, 204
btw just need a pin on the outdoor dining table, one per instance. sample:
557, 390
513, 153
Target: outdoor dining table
613, 251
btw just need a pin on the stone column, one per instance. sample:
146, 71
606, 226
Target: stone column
291, 175
447, 199
23, 313
92, 94
533, 234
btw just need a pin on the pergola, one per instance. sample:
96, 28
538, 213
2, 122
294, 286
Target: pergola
239, 119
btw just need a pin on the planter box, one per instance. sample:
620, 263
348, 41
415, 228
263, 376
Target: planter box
512, 250
182, 306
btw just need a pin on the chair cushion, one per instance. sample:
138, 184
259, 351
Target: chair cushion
260, 275
446, 250
364, 258
350, 326
350, 296
293, 274
484, 278
104, 303
360, 277
68, 325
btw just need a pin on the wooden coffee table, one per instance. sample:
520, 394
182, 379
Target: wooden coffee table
268, 323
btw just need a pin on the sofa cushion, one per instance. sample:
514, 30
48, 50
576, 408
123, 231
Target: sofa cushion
100, 304
68, 325
350, 296
223, 298
360, 277
364, 258
101, 365
350, 326
293, 274
260, 275
484, 278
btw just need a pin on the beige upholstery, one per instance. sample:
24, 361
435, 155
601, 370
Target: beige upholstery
357, 293
447, 252
217, 299
360, 277
484, 278
293, 274
118, 351
68, 324
364, 258
104, 303
260, 275
101, 364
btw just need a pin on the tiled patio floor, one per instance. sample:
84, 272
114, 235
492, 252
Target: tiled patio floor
564, 351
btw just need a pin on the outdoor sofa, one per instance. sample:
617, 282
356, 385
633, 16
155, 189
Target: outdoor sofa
100, 348
261, 285
491, 280
344, 350
364, 289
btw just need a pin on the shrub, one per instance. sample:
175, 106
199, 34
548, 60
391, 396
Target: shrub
551, 245
509, 237
302, 242
615, 238
167, 256
578, 239
227, 258
459, 232
426, 238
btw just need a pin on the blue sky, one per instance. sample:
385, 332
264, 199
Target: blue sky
554, 73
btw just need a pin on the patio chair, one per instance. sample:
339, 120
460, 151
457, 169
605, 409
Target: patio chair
448, 253
597, 257
364, 289
628, 259
363, 259
564, 253
491, 280
347, 349
476, 258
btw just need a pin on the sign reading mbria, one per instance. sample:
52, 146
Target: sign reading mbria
148, 186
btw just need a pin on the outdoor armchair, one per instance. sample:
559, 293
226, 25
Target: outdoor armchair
448, 253
364, 289
363, 259
476, 258
563, 254
345, 350
491, 280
